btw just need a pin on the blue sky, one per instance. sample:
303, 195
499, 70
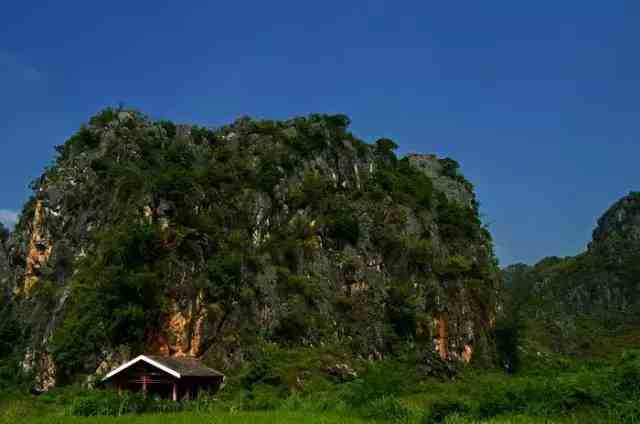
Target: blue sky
537, 100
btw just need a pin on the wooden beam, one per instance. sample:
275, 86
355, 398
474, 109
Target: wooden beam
144, 386
175, 392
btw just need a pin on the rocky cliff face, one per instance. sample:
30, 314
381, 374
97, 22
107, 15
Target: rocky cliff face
585, 298
184, 241
4, 265
618, 230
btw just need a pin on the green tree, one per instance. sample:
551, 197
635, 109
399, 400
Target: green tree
401, 308
4, 233
116, 297
386, 145
508, 334
9, 331
345, 228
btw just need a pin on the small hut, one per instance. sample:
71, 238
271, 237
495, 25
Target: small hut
164, 377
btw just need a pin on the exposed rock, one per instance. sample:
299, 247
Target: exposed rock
5, 271
435, 366
581, 299
342, 372
42, 366
39, 249
214, 241
618, 230
458, 190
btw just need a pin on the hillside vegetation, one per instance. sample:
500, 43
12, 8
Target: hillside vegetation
331, 281
587, 305
147, 236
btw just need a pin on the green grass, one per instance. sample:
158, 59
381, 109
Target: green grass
272, 417
296, 417
554, 389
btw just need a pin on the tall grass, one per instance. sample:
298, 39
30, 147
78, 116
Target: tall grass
270, 417
604, 392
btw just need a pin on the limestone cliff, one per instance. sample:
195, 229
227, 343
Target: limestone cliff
581, 301
186, 241
4, 264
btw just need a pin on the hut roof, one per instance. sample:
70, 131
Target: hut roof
177, 367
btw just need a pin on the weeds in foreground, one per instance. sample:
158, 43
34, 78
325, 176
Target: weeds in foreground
386, 392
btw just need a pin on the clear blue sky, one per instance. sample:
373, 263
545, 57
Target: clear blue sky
539, 101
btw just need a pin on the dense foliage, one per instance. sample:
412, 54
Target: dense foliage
308, 254
10, 331
4, 233
116, 294
550, 389
220, 215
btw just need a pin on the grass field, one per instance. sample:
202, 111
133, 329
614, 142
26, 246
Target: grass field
553, 390
293, 417
271, 417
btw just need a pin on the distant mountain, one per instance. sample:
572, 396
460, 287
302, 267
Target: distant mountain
591, 302
146, 236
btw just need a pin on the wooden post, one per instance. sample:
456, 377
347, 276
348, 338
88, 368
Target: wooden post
175, 392
119, 389
144, 386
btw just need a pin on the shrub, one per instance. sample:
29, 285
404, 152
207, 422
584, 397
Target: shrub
4, 233
114, 295
381, 379
406, 184
103, 118
169, 127
168, 406
10, 333
456, 221
453, 266
388, 409
401, 308
97, 403
314, 191
293, 327
627, 412
345, 228
344, 303
508, 333
258, 371
449, 167
269, 176
338, 122
84, 139
498, 399
301, 285
385, 146
420, 252
440, 410
202, 135
627, 377
263, 397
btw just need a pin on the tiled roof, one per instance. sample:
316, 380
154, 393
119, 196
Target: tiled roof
177, 367
186, 367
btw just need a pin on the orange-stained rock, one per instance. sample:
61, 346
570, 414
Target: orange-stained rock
40, 248
467, 354
182, 332
442, 340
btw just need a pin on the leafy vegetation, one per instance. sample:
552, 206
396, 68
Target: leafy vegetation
301, 247
4, 233
544, 391
189, 198
404, 183
457, 222
10, 331
115, 295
